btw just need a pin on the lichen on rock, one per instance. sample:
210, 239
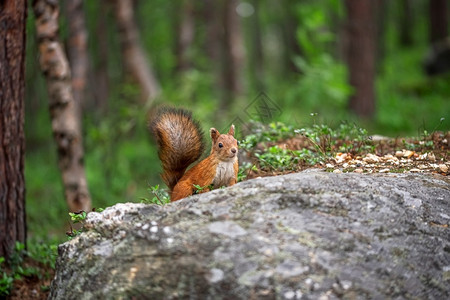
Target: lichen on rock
308, 234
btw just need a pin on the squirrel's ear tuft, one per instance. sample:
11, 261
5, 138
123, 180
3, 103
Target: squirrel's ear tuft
214, 134
231, 131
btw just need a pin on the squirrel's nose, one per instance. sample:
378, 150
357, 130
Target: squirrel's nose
233, 150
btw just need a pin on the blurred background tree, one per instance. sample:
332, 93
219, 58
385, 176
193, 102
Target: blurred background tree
316, 60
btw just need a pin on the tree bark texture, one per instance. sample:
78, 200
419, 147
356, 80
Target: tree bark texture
77, 49
65, 124
134, 57
185, 35
12, 139
361, 55
438, 12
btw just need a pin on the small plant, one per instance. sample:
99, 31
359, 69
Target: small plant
244, 169
45, 253
276, 158
351, 138
324, 143
76, 217
160, 197
266, 133
19, 266
320, 136
199, 189
6, 280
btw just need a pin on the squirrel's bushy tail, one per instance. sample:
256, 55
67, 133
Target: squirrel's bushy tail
179, 139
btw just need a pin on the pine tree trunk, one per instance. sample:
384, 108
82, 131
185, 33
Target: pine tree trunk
65, 123
134, 57
361, 55
12, 139
438, 20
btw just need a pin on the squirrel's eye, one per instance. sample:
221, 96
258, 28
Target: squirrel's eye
220, 145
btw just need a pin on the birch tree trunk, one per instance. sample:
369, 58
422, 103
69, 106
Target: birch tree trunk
134, 57
12, 139
65, 124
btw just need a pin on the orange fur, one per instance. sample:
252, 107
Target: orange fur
179, 149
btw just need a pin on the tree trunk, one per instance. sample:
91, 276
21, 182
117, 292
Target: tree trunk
134, 57
65, 124
233, 54
438, 20
12, 139
361, 56
289, 30
185, 35
100, 79
406, 24
77, 49
213, 32
381, 9
256, 60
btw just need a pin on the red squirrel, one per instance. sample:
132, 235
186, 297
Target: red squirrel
180, 143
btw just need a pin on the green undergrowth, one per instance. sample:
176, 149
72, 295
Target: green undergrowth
318, 143
34, 262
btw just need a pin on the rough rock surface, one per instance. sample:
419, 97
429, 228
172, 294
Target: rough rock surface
310, 235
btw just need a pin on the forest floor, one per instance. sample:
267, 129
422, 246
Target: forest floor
33, 286
430, 155
386, 155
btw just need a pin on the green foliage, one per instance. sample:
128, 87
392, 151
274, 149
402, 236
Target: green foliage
244, 169
160, 197
199, 189
323, 85
16, 268
6, 280
120, 159
78, 217
347, 137
355, 139
44, 252
275, 158
272, 132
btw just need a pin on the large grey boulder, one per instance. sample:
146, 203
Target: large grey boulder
310, 235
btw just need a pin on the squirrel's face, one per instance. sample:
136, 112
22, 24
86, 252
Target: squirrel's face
224, 145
